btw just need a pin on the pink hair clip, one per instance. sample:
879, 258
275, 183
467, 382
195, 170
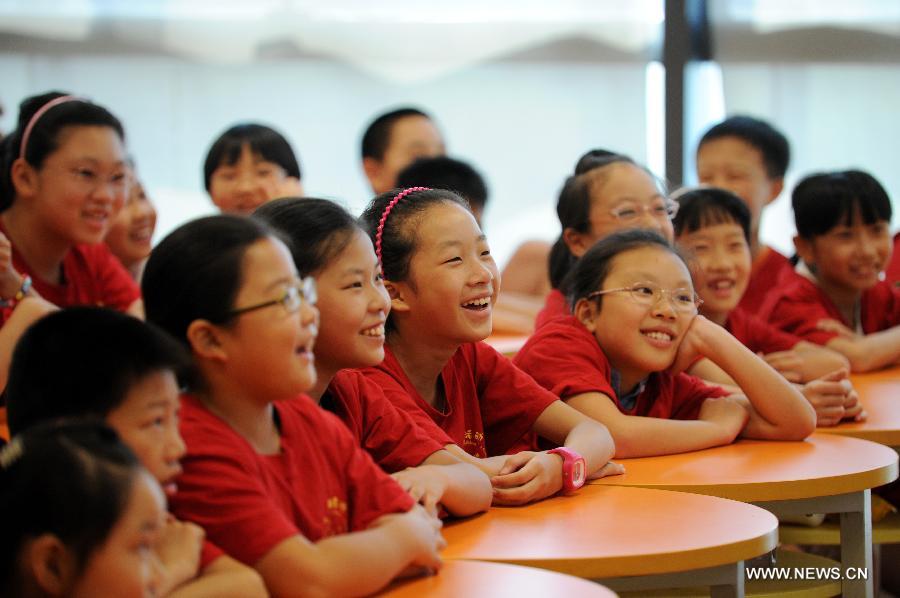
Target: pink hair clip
37, 115
387, 211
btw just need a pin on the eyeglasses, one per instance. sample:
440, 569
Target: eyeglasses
632, 211
295, 295
649, 294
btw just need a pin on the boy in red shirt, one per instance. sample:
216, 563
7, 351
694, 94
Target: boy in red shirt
836, 298
749, 157
713, 226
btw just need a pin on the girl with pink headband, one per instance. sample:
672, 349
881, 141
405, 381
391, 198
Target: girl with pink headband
63, 177
443, 283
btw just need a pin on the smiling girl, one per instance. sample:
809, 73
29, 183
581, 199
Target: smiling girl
275, 481
329, 244
635, 324
64, 178
443, 283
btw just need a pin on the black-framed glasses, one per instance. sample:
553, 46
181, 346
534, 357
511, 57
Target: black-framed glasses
631, 211
648, 294
295, 295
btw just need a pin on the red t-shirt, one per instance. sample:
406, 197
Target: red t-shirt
800, 304
555, 306
768, 269
565, 358
321, 484
892, 273
490, 403
390, 435
758, 335
94, 276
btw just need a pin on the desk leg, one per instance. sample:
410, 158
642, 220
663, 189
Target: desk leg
855, 510
724, 581
856, 548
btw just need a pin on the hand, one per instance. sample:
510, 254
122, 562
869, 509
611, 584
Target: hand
788, 363
10, 280
828, 396
692, 344
831, 325
423, 533
425, 484
527, 476
609, 469
727, 413
179, 551
853, 409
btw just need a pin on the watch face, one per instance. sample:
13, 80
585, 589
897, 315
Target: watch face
578, 473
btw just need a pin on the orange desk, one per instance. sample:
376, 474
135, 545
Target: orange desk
629, 538
507, 344
879, 392
464, 578
823, 474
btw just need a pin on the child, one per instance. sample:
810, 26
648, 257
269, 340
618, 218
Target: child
749, 157
81, 516
110, 366
635, 322
514, 312
713, 225
328, 244
130, 236
275, 481
607, 193
64, 177
443, 282
393, 141
248, 165
836, 299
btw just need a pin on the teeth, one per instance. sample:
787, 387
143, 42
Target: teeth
478, 302
660, 336
374, 331
723, 284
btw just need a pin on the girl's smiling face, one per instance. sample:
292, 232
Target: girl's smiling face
353, 306
81, 186
131, 232
268, 351
453, 280
250, 182
639, 339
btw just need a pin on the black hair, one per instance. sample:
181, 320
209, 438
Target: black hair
443, 172
824, 200
771, 143
43, 139
573, 207
595, 265
82, 361
319, 229
196, 271
264, 141
707, 206
377, 136
398, 238
71, 479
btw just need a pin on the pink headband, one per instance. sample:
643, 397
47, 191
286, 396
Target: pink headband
387, 211
40, 112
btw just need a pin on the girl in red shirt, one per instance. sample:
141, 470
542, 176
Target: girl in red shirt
275, 481
443, 283
329, 244
635, 322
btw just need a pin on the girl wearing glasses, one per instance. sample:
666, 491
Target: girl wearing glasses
635, 328
275, 481
64, 177
329, 244
443, 283
609, 192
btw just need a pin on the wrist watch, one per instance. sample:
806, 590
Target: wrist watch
574, 471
